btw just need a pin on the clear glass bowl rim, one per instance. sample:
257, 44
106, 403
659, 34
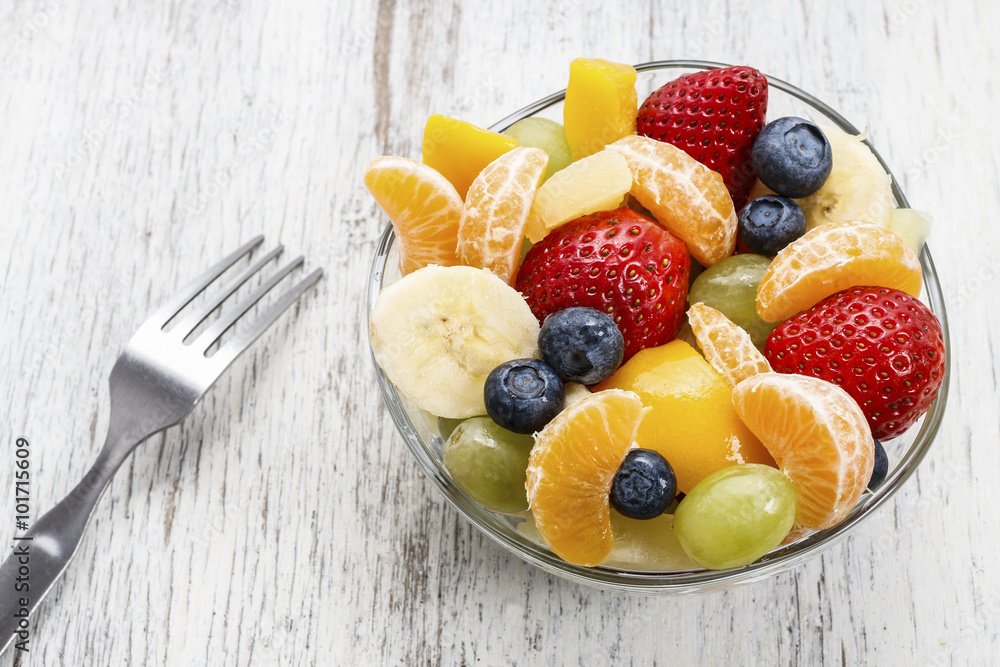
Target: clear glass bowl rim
691, 581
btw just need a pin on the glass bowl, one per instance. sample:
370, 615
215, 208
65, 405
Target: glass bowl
419, 430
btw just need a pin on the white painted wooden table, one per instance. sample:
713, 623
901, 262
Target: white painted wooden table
284, 522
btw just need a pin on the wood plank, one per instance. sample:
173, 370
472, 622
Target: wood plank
285, 521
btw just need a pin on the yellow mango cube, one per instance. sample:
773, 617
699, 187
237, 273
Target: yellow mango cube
459, 150
601, 105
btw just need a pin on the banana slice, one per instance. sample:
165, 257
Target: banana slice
913, 225
439, 331
856, 189
575, 392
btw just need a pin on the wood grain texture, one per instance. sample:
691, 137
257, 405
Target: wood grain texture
284, 522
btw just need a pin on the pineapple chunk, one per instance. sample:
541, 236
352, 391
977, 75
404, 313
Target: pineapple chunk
914, 226
596, 183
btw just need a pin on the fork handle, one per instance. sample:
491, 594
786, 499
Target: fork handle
41, 555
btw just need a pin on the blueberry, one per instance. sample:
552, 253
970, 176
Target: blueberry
769, 223
792, 156
524, 395
881, 468
581, 344
644, 486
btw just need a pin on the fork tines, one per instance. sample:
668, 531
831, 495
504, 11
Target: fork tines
245, 335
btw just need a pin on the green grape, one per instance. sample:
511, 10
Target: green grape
489, 463
545, 134
730, 287
447, 426
647, 545
696, 269
526, 245
735, 515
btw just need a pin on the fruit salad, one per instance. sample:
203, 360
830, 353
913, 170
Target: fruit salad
663, 336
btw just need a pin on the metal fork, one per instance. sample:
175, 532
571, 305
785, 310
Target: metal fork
156, 382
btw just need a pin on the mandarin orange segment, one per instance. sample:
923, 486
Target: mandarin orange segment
725, 345
832, 258
600, 105
818, 436
570, 471
685, 196
460, 150
796, 534
424, 208
691, 422
496, 209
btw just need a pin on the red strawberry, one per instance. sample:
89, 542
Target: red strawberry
882, 346
714, 116
619, 262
